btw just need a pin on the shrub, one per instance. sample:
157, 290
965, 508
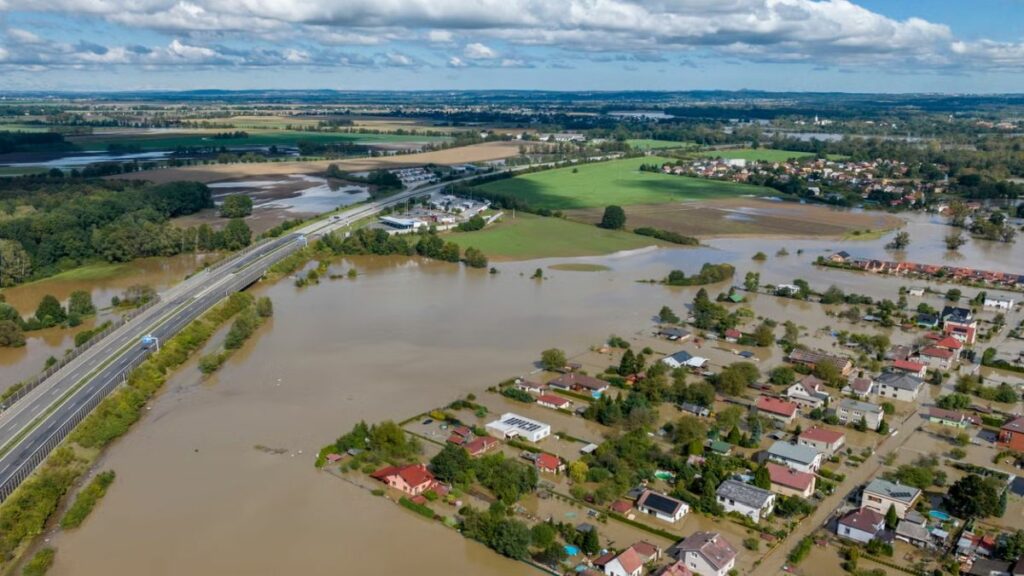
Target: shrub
87, 499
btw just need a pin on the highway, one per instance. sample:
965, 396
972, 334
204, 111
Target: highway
39, 421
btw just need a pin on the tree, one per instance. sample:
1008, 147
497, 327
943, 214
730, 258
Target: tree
511, 538
688, 429
762, 478
15, 263
1012, 546
50, 312
782, 376
552, 359
734, 378
578, 471
236, 206
900, 241
974, 497
452, 464
954, 294
614, 218
627, 367
264, 307
667, 316
11, 335
474, 258
591, 543
752, 281
542, 535
80, 303
954, 240
237, 234
891, 518
955, 401
764, 335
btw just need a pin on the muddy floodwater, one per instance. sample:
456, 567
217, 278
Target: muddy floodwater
195, 496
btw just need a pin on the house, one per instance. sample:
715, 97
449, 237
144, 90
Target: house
620, 507
959, 323
809, 392
951, 344
733, 335
480, 445
840, 257
627, 563
777, 409
580, 383
694, 409
899, 386
750, 501
916, 292
530, 386
989, 567
1011, 435
549, 463
938, 358
861, 387
812, 358
706, 554
880, 494
413, 479
802, 458
789, 482
826, 441
854, 411
999, 303
647, 551
953, 418
914, 531
512, 425
861, 525
554, 402
661, 506
674, 334
917, 369
677, 360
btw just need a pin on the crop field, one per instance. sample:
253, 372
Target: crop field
528, 236
164, 141
615, 182
648, 144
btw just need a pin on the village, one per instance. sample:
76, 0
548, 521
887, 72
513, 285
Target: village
700, 446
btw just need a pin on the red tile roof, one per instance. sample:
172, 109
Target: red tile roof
784, 476
413, 474
818, 434
733, 333
552, 399
949, 342
480, 444
776, 406
935, 352
547, 461
646, 550
908, 365
1015, 426
865, 519
620, 506
630, 560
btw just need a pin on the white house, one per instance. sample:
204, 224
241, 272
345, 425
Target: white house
899, 386
880, 494
515, 426
706, 553
823, 440
661, 506
860, 525
852, 411
802, 458
809, 392
753, 502
628, 563
998, 302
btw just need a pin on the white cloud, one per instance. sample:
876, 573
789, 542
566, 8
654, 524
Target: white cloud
440, 36
3, 54
456, 62
22, 36
478, 51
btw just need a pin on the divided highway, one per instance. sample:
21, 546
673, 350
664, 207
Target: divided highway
39, 421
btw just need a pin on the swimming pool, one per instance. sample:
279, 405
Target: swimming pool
939, 515
571, 550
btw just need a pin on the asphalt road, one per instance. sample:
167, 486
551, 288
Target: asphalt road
35, 424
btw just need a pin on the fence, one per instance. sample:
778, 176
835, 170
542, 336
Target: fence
21, 390
28, 464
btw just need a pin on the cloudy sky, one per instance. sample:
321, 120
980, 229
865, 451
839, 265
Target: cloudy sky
822, 45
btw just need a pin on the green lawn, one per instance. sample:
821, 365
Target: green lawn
648, 144
94, 271
616, 182
256, 138
765, 154
528, 237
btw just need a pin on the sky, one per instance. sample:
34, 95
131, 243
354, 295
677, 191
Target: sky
952, 46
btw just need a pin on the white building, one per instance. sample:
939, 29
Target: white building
999, 303
753, 502
661, 506
809, 392
860, 525
706, 554
899, 386
880, 494
802, 458
853, 411
515, 426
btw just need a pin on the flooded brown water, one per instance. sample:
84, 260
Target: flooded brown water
194, 496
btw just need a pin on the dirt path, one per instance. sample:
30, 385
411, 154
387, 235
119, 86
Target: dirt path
773, 562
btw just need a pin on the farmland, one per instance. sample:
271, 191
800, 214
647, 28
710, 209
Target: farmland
167, 141
616, 182
528, 236
648, 144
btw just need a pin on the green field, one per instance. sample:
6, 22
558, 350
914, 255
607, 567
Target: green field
256, 138
20, 170
765, 155
616, 182
528, 237
647, 144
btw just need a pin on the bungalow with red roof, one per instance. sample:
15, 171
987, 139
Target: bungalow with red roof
938, 358
953, 418
530, 386
777, 409
626, 563
733, 335
620, 507
580, 383
860, 525
789, 482
549, 463
823, 440
554, 402
910, 367
1011, 435
647, 551
413, 479
812, 358
950, 343
861, 387
481, 445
